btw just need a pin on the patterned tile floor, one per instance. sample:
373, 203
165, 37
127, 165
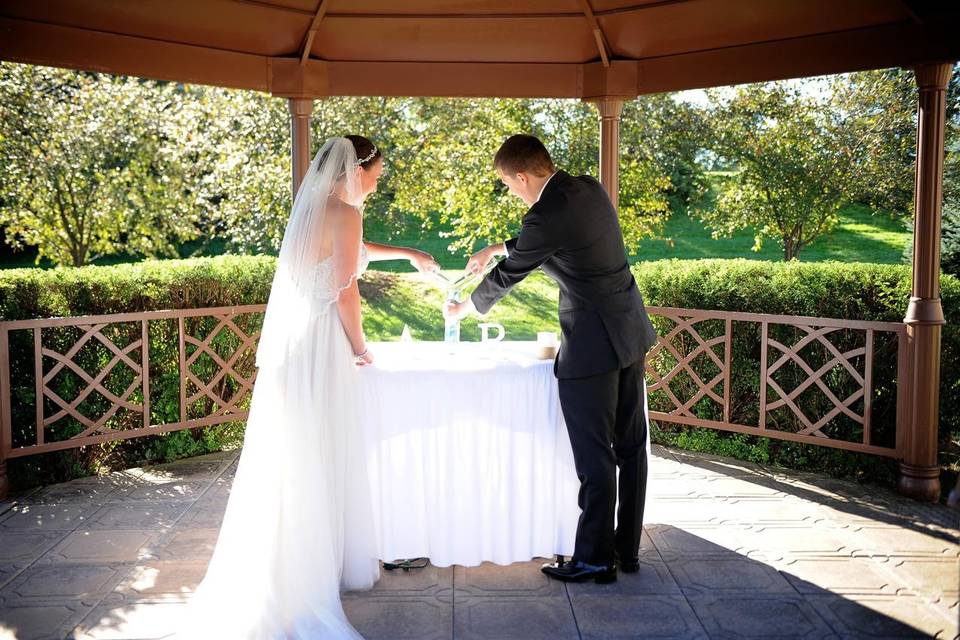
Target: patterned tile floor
732, 550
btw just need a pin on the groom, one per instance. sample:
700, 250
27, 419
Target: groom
571, 231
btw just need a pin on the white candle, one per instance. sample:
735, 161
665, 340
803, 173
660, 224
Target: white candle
546, 339
547, 344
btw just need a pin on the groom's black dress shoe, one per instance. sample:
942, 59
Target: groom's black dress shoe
576, 571
627, 564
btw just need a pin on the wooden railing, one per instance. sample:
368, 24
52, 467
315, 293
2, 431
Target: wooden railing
818, 376
107, 365
814, 377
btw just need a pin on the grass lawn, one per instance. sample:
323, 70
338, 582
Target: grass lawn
400, 297
861, 236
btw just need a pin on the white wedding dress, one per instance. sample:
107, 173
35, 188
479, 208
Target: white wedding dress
299, 526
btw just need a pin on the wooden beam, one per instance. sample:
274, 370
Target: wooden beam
573, 15
642, 7
455, 80
904, 44
52, 45
312, 32
619, 79
597, 32
292, 78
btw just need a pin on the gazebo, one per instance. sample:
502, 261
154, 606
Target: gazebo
602, 51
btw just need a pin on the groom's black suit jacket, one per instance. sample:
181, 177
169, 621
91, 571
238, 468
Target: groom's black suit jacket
572, 232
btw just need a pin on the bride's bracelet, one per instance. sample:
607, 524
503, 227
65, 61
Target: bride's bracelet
360, 355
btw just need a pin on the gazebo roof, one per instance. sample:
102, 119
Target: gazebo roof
509, 48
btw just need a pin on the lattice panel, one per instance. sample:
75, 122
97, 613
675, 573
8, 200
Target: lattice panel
100, 376
689, 365
813, 381
217, 364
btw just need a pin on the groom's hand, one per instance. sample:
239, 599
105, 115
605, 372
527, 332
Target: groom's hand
423, 262
478, 261
458, 310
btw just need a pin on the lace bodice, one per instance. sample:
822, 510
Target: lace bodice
325, 287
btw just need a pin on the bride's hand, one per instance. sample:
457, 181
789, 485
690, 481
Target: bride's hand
423, 262
364, 358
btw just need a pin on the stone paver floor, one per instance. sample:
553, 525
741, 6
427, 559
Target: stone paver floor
731, 550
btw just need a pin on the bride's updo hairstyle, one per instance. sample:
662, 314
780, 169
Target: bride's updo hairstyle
524, 153
367, 152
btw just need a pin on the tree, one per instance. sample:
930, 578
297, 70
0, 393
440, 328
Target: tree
238, 144
240, 148
90, 165
448, 168
792, 166
162, 163
878, 111
438, 154
670, 133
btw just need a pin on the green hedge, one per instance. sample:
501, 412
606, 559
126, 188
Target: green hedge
856, 291
141, 286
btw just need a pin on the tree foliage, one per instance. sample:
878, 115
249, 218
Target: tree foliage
671, 134
449, 165
95, 165
90, 165
878, 110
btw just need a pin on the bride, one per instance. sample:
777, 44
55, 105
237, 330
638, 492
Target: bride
299, 525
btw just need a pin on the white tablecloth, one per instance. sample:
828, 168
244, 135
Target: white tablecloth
469, 456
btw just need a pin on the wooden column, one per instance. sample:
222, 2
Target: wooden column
300, 111
6, 420
610, 110
919, 470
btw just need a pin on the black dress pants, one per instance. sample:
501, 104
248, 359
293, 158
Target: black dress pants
606, 418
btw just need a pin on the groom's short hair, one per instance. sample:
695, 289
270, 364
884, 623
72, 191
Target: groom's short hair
524, 153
